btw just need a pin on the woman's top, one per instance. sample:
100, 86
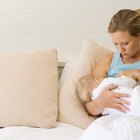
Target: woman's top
117, 65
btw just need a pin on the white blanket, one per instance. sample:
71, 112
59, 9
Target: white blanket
125, 85
113, 128
117, 125
63, 131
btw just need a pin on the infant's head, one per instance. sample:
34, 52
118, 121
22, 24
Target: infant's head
85, 87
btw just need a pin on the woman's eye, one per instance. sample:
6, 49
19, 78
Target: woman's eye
115, 44
125, 44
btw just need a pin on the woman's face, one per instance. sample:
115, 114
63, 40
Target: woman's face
127, 45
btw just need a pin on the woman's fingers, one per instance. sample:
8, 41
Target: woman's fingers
122, 107
122, 101
122, 95
116, 100
119, 106
111, 87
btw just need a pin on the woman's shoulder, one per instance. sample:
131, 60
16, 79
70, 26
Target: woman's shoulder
105, 62
109, 57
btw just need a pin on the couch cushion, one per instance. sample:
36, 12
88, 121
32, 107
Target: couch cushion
28, 88
70, 109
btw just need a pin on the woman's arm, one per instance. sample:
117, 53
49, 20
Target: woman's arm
108, 98
87, 83
134, 73
100, 71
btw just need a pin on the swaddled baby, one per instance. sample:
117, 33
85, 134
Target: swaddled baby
125, 85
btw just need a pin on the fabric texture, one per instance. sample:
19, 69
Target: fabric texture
70, 108
28, 88
61, 132
113, 128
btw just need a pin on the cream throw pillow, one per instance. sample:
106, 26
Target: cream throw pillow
70, 109
28, 88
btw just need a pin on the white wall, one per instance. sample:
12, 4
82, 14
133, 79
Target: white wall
33, 24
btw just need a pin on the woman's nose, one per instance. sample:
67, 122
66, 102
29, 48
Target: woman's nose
121, 48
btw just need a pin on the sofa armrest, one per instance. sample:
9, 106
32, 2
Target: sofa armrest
60, 68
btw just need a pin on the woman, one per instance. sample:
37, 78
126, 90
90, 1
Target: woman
124, 29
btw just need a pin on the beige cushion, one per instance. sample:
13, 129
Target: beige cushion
70, 109
67, 70
28, 88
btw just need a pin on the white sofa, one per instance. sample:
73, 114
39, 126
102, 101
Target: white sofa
34, 106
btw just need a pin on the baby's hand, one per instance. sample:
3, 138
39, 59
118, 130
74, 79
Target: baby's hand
95, 83
99, 80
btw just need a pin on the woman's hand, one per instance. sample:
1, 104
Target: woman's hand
110, 99
135, 74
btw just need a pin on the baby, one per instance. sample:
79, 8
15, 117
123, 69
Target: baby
125, 85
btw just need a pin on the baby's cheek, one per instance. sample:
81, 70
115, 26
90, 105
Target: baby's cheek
93, 85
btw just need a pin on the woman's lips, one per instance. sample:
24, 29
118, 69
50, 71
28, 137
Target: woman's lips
124, 54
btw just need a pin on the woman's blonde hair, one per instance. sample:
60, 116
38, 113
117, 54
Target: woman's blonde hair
126, 20
138, 11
